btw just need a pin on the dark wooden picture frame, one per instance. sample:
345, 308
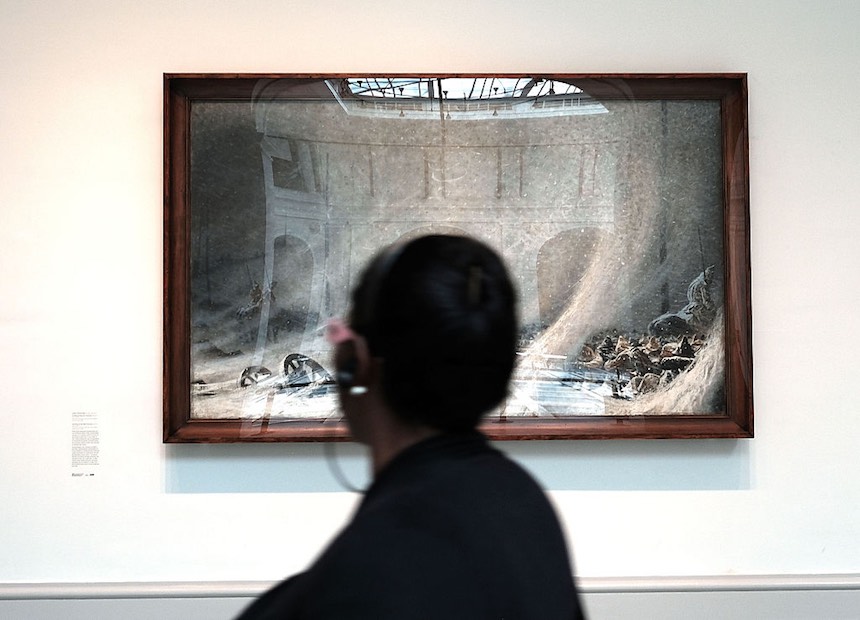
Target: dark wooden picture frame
621, 203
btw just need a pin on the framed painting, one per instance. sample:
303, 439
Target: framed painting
619, 202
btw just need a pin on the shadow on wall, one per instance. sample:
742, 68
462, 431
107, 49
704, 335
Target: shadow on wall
671, 465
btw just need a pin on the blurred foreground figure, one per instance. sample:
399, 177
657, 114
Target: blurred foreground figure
450, 528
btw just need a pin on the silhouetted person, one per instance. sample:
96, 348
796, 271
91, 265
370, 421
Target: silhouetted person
450, 528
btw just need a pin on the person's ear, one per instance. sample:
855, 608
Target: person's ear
353, 364
363, 369
352, 359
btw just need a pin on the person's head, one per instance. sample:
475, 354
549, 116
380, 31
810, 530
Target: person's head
438, 313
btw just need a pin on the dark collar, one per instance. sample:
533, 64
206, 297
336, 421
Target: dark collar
410, 461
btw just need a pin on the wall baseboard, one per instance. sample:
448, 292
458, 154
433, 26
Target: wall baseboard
596, 585
722, 583
740, 597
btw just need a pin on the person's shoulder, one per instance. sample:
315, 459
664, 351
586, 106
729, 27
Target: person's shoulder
501, 483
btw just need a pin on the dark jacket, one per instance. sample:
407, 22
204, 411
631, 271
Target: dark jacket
451, 529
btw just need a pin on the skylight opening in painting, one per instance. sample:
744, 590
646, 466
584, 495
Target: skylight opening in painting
461, 98
458, 88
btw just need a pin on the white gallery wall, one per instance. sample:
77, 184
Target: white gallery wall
81, 291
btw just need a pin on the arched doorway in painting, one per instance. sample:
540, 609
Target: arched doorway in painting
291, 290
561, 264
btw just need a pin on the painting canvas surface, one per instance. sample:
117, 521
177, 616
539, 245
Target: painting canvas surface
609, 215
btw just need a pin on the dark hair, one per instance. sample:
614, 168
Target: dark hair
441, 311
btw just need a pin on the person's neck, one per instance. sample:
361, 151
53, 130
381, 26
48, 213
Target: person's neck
394, 439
